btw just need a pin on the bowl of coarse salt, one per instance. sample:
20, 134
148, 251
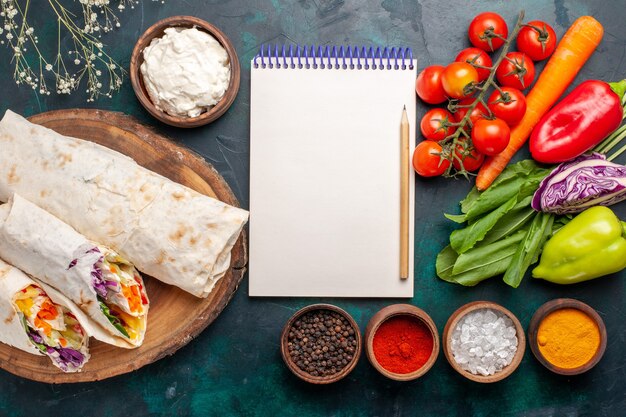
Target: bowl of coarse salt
484, 341
184, 71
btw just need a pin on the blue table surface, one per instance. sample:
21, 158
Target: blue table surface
234, 366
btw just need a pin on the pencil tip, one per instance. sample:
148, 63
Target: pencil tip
404, 107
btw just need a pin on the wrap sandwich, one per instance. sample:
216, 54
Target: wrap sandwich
106, 287
168, 231
41, 321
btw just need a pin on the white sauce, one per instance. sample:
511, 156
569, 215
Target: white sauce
185, 72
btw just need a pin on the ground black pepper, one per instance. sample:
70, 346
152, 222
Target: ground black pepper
321, 342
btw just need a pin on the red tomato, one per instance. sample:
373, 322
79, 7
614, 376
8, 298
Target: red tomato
510, 105
471, 162
435, 124
476, 56
479, 112
488, 31
458, 79
516, 70
491, 136
428, 85
426, 159
537, 40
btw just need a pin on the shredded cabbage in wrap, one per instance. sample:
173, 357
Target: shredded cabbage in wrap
52, 328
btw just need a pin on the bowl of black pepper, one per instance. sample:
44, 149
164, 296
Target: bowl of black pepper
321, 343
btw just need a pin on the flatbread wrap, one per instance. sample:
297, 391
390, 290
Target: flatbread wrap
167, 230
106, 287
41, 321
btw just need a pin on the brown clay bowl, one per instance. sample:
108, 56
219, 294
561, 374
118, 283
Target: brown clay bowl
558, 304
156, 31
305, 376
454, 320
395, 310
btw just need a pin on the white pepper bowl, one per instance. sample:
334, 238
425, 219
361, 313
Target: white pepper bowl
451, 325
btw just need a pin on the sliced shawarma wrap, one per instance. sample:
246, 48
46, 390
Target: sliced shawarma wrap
41, 321
167, 230
101, 283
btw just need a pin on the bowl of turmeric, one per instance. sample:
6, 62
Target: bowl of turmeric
567, 336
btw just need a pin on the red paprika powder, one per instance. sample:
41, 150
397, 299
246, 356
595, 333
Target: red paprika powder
402, 344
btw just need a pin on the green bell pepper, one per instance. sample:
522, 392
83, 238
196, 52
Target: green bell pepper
592, 245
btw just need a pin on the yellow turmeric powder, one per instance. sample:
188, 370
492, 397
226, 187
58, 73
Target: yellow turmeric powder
568, 338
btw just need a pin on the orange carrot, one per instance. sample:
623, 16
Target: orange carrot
42, 325
570, 55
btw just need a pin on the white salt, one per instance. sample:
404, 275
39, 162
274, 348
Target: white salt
484, 342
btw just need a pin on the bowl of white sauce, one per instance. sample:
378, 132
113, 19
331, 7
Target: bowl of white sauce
185, 71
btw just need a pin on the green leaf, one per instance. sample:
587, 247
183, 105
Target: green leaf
495, 197
529, 248
464, 239
469, 201
484, 255
115, 321
457, 218
473, 277
445, 262
521, 168
508, 224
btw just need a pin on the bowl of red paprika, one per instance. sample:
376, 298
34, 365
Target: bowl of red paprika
402, 342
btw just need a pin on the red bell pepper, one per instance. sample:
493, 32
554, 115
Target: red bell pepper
586, 116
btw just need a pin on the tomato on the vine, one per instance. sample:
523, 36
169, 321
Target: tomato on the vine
479, 112
471, 161
427, 160
458, 79
488, 31
491, 136
476, 56
516, 70
436, 124
428, 85
508, 104
536, 39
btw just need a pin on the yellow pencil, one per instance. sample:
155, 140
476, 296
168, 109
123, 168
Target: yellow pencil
404, 196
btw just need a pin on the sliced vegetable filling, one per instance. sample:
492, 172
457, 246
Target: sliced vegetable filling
52, 328
121, 293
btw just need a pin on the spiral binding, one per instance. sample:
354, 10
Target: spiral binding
342, 57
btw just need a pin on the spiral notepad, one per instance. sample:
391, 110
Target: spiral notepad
325, 170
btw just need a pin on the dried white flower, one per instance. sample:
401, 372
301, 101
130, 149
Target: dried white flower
98, 17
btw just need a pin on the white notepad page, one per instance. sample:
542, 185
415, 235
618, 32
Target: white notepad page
325, 181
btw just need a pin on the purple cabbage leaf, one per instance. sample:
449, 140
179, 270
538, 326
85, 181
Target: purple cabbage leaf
586, 181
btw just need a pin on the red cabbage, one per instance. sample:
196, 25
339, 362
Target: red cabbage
71, 356
586, 181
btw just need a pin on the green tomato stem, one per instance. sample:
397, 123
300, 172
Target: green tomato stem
454, 139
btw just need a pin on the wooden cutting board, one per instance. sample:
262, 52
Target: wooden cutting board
175, 316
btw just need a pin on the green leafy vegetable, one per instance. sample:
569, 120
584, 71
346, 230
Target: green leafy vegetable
464, 239
528, 251
502, 233
484, 255
115, 321
473, 275
514, 220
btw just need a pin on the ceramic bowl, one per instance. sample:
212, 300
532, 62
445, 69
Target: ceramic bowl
156, 31
558, 304
454, 320
385, 314
305, 376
